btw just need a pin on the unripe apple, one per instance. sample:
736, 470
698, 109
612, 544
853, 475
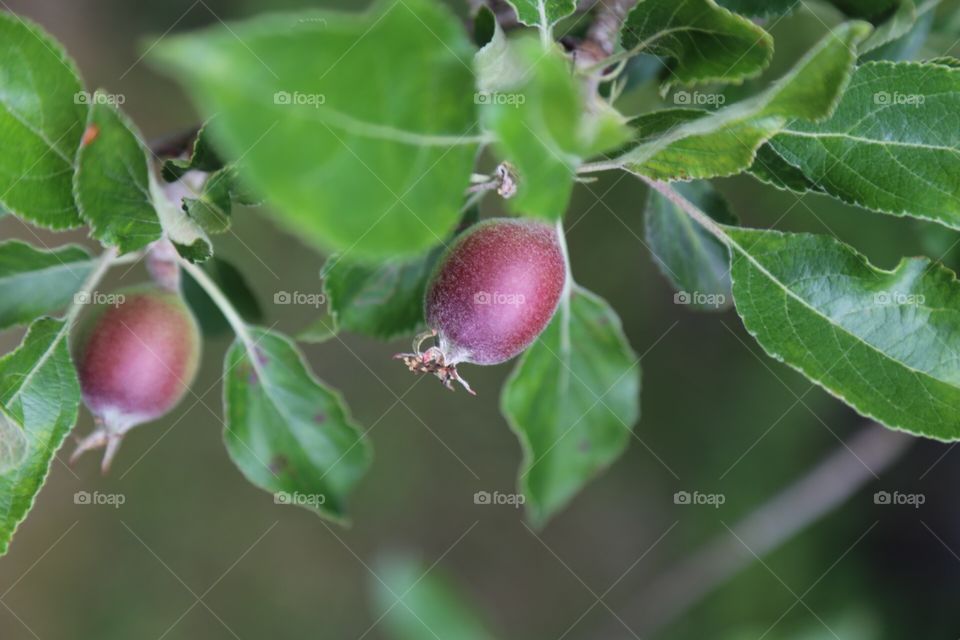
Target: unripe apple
136, 359
493, 292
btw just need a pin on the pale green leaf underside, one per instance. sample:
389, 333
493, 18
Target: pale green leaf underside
39, 391
112, 183
286, 431
573, 401
43, 113
357, 150
885, 342
543, 13
695, 263
891, 146
34, 282
703, 41
725, 142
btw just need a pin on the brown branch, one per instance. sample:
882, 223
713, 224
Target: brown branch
604, 33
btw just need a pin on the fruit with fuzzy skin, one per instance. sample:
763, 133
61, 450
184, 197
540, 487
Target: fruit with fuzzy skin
136, 359
493, 292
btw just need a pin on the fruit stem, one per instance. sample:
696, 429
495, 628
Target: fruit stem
106, 260
567, 288
206, 283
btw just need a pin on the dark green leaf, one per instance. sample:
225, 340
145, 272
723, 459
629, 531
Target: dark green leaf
212, 211
112, 182
34, 282
202, 157
43, 112
885, 342
770, 167
760, 8
704, 42
696, 263
288, 433
359, 129
39, 397
892, 145
573, 400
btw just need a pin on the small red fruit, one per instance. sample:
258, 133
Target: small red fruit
136, 359
493, 292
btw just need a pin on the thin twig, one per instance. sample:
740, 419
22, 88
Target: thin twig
824, 488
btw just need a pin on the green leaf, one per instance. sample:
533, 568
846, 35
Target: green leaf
543, 13
288, 433
323, 329
539, 122
884, 342
40, 395
112, 182
572, 400
380, 105
186, 234
770, 167
382, 301
889, 146
867, 9
896, 26
703, 41
686, 146
34, 282
233, 285
416, 603
695, 263
43, 112
760, 8
213, 210
203, 157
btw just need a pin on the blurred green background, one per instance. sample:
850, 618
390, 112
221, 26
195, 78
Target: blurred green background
197, 552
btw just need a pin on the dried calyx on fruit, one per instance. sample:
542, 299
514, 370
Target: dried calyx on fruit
136, 359
493, 292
